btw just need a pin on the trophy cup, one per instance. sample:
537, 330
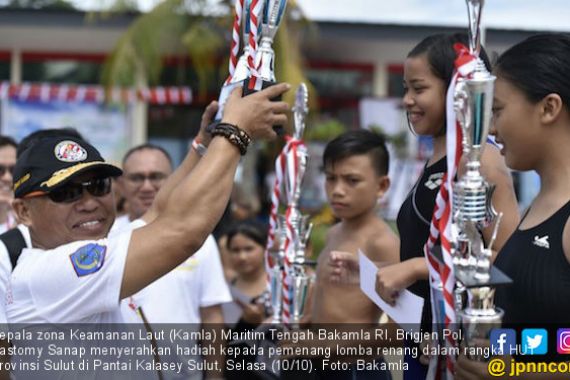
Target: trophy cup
273, 11
472, 209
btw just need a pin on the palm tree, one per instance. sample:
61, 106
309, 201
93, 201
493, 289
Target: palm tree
199, 29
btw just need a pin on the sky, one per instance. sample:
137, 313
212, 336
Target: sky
539, 15
504, 14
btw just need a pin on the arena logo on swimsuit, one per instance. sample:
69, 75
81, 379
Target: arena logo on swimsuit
88, 259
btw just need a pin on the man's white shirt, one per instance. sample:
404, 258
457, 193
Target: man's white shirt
76, 283
6, 269
79, 282
178, 296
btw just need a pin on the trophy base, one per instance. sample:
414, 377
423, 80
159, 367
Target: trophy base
477, 330
496, 276
279, 129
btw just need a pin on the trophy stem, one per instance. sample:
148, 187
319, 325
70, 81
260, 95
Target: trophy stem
480, 317
474, 8
266, 60
275, 293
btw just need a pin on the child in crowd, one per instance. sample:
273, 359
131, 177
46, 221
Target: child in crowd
356, 168
246, 242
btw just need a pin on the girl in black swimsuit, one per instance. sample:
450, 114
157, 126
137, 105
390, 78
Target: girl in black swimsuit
531, 113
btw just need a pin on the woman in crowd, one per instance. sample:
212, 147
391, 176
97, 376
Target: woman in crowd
246, 242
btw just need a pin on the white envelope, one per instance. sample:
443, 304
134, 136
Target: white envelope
408, 309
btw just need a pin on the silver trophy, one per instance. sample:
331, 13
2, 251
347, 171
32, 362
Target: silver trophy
472, 209
273, 12
301, 280
301, 230
241, 70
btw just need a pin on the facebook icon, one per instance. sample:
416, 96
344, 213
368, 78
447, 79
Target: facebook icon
503, 341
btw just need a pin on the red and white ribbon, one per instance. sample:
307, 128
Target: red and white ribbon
47, 92
280, 164
256, 8
234, 48
441, 222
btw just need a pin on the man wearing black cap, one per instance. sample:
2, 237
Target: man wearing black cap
63, 194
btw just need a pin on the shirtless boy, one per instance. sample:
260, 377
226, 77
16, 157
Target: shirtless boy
356, 168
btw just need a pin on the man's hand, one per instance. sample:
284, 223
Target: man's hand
256, 114
207, 117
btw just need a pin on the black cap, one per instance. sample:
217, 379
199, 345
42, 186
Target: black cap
52, 162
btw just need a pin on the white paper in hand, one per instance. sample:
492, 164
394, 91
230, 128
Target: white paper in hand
408, 309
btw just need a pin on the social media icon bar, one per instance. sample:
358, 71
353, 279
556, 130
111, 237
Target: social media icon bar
534, 342
563, 341
504, 341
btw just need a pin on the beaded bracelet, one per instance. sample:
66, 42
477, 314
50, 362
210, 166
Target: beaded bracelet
234, 134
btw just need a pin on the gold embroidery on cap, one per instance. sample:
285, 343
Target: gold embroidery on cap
63, 174
21, 181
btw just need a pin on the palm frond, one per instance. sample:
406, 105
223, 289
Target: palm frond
144, 43
203, 43
176, 26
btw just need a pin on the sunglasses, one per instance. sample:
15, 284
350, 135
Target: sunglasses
6, 168
71, 192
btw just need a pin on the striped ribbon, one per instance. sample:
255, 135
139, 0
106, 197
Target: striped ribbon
440, 227
234, 48
255, 12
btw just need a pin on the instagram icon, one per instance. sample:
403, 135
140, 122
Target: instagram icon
563, 341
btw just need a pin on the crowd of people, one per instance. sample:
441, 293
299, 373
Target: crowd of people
66, 258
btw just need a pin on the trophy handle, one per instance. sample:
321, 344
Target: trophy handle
462, 110
300, 110
491, 212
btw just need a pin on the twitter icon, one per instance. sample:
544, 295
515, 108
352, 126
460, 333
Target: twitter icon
534, 342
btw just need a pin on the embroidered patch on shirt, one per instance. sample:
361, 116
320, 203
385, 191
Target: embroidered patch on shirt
88, 259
